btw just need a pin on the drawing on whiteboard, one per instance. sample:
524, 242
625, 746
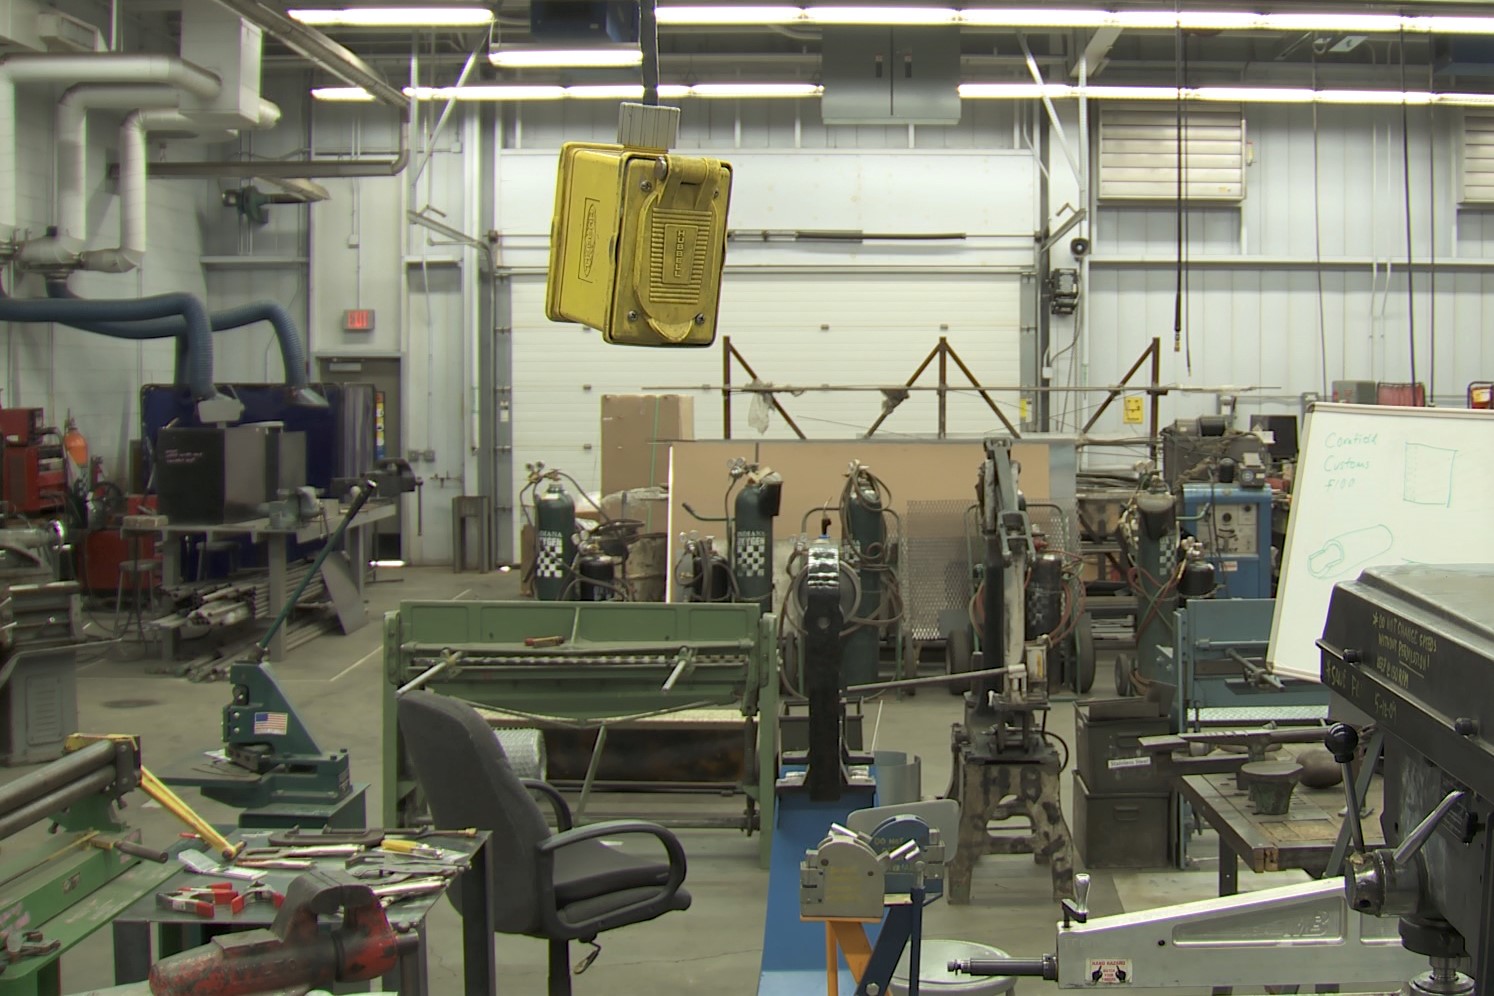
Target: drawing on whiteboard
1428, 475
1346, 551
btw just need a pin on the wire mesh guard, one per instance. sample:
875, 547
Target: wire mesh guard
938, 545
1058, 522
940, 548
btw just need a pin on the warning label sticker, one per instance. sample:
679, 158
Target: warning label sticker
1128, 762
1110, 971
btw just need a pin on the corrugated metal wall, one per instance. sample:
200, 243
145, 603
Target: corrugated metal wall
1253, 315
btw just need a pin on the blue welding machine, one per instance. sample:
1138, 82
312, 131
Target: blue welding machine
1234, 525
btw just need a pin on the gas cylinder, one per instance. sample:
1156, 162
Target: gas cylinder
76, 447
865, 531
554, 541
600, 577
752, 538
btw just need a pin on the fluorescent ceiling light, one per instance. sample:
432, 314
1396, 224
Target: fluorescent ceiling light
585, 58
1225, 94
750, 90
395, 17
600, 91
968, 91
497, 91
347, 94
724, 14
882, 15
1140, 20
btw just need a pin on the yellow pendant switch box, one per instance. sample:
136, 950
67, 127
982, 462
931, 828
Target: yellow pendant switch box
637, 244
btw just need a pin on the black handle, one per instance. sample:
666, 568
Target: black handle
1342, 741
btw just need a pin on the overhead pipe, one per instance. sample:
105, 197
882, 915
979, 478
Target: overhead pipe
132, 175
295, 169
121, 319
63, 248
341, 63
287, 333
94, 68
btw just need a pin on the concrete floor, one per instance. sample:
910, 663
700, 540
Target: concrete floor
714, 947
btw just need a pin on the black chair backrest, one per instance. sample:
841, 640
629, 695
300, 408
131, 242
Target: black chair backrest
467, 780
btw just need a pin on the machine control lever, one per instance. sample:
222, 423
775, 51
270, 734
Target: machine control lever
1076, 910
1418, 837
1342, 741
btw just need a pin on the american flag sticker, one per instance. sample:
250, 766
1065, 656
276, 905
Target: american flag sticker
271, 723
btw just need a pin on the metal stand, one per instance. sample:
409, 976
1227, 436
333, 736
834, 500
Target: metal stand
980, 783
477, 509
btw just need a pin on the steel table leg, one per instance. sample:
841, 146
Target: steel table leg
478, 968
278, 592
1229, 869
131, 952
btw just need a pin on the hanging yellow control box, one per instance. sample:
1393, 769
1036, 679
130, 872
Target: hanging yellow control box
637, 244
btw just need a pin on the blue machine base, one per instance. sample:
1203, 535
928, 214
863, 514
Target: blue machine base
794, 951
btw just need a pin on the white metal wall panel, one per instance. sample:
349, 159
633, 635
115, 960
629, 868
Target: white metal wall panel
796, 329
1139, 152
1477, 173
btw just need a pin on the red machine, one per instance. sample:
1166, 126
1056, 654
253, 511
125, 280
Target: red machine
105, 548
294, 954
35, 472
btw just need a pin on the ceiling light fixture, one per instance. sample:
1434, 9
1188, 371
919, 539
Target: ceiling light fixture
756, 90
881, 15
395, 17
1140, 20
705, 16
968, 91
611, 56
1225, 94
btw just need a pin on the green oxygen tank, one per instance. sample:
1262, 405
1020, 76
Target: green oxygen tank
554, 541
752, 538
865, 532
1155, 539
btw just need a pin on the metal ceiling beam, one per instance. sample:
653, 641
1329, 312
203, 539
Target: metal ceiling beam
1097, 51
323, 52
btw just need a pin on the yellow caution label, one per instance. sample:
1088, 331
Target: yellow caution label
1133, 414
1025, 408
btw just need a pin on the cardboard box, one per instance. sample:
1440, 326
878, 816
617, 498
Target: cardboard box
649, 506
637, 430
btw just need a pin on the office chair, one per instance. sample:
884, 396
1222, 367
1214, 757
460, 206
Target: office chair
563, 886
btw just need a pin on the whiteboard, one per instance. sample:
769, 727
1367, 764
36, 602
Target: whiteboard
1378, 485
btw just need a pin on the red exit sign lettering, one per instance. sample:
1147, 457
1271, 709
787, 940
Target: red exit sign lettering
358, 320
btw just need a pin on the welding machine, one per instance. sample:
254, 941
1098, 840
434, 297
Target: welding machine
1233, 522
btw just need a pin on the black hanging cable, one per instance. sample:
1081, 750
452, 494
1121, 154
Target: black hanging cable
1406, 186
1431, 395
1187, 234
1177, 301
1317, 234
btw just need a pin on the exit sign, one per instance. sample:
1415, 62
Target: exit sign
358, 320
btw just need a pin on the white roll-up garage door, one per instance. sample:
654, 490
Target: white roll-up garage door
795, 329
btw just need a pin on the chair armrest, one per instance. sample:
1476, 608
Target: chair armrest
563, 819
653, 906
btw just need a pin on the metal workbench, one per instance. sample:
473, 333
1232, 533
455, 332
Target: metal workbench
277, 543
1302, 838
178, 931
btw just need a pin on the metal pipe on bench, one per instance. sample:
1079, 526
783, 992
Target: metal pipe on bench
937, 679
447, 660
39, 809
97, 755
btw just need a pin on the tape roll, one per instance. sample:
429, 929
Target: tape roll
525, 750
